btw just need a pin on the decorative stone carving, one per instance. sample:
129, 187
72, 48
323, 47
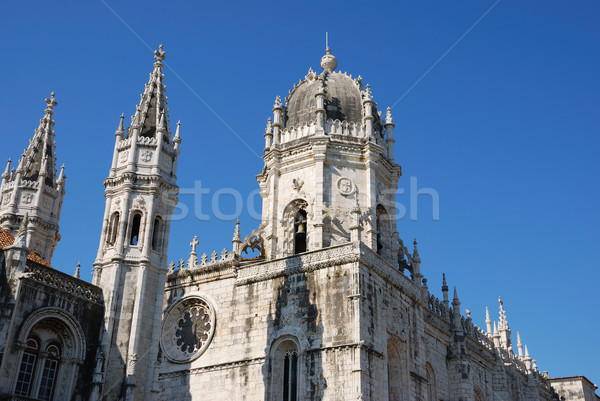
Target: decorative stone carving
123, 156
297, 184
188, 329
345, 186
27, 198
146, 156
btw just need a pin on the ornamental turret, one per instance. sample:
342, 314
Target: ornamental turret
131, 264
327, 150
33, 189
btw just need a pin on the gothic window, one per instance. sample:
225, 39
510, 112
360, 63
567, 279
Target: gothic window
156, 234
285, 372
27, 369
135, 229
300, 232
394, 370
49, 372
431, 387
113, 228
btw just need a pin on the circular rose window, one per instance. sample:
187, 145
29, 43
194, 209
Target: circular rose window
187, 329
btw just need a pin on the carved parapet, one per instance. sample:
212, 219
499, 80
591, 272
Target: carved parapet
64, 282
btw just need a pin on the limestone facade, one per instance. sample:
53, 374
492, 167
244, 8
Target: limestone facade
321, 301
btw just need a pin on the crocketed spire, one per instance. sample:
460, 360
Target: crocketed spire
39, 158
154, 102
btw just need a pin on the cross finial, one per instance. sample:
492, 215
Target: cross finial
194, 243
51, 102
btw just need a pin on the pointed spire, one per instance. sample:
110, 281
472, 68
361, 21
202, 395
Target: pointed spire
146, 121
495, 328
388, 117
162, 125
120, 129
415, 255
61, 176
6, 174
39, 159
488, 321
22, 234
237, 239
77, 270
455, 295
526, 352
519, 346
445, 290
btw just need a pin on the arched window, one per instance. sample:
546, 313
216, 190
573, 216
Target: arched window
300, 232
135, 229
394, 368
284, 372
431, 387
28, 365
49, 372
290, 375
113, 228
156, 237
478, 394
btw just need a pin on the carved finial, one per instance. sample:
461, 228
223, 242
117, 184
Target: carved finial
269, 125
488, 321
237, 237
21, 237
77, 270
51, 103
171, 267
368, 94
328, 61
194, 243
61, 176
388, 116
444, 283
6, 174
455, 299
120, 129
415, 254
277, 104
162, 125
159, 56
177, 137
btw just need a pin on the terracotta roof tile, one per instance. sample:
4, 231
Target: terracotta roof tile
6, 240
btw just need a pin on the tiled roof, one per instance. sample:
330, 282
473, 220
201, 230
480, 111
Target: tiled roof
6, 240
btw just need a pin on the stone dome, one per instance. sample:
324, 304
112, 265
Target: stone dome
343, 99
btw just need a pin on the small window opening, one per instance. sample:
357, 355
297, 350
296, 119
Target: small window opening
300, 232
135, 229
113, 228
156, 234
290, 375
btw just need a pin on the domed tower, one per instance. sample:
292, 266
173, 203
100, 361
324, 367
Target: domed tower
328, 156
141, 193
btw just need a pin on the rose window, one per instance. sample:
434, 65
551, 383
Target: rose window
188, 329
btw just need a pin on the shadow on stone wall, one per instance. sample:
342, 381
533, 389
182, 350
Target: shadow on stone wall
294, 318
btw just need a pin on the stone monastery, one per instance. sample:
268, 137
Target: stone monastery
322, 301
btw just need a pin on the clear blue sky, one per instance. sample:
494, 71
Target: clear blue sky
505, 128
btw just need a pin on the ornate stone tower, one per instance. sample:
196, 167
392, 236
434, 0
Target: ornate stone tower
329, 168
33, 189
141, 192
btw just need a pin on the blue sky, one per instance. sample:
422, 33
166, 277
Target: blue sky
505, 128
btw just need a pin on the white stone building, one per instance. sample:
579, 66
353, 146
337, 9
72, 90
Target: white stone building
322, 301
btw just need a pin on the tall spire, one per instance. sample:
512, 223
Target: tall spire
488, 321
154, 102
39, 157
